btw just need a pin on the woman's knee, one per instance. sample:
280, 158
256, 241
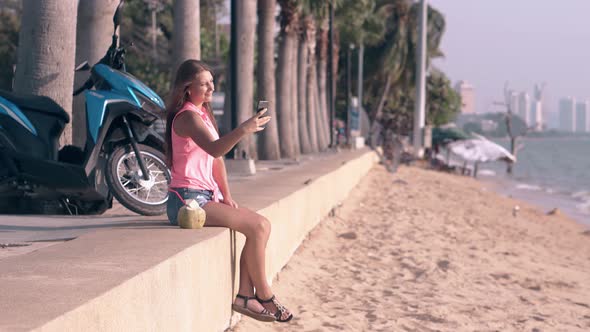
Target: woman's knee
260, 227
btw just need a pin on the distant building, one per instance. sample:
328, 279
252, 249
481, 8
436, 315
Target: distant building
466, 91
567, 114
524, 108
513, 101
537, 118
537, 121
583, 117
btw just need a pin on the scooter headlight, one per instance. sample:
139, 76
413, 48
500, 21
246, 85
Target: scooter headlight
149, 106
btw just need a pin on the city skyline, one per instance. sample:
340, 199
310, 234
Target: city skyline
527, 42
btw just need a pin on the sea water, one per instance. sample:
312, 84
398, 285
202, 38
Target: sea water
549, 173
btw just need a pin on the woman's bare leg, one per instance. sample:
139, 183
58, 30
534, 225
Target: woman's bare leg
256, 228
246, 286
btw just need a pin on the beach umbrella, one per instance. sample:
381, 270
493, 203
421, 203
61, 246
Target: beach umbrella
480, 150
443, 136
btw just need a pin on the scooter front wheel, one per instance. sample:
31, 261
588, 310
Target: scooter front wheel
125, 179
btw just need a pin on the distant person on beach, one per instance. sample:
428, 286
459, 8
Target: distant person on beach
195, 156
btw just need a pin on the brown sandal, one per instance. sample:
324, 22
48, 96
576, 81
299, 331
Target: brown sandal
264, 315
280, 309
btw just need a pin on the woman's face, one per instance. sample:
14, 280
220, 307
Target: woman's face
201, 89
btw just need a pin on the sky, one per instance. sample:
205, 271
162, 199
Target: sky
489, 42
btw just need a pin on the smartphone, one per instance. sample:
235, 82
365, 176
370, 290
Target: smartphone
262, 104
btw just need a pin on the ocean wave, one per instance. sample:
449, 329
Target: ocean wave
486, 172
582, 195
584, 207
526, 186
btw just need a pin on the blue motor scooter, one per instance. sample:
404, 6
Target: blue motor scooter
122, 155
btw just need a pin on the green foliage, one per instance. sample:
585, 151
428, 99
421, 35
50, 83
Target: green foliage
361, 21
9, 27
208, 46
157, 77
289, 13
441, 136
395, 58
443, 103
399, 111
136, 28
155, 71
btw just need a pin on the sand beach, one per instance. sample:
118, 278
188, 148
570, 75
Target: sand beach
426, 251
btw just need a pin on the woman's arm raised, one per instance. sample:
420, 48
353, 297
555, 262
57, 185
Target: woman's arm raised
189, 124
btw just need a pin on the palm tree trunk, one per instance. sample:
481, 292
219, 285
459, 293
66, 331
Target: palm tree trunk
187, 31
323, 139
285, 76
46, 53
303, 96
384, 95
312, 86
319, 141
93, 38
246, 25
295, 98
322, 80
335, 57
268, 143
375, 125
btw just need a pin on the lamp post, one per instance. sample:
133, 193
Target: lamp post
419, 110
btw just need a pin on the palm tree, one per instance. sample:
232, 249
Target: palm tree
322, 71
268, 143
246, 27
186, 35
320, 11
294, 93
93, 37
362, 23
285, 76
395, 57
317, 76
302, 91
45, 61
312, 86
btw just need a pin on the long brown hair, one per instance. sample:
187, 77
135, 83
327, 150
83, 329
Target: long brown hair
185, 75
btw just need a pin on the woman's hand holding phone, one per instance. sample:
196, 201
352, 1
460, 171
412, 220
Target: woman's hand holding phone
257, 122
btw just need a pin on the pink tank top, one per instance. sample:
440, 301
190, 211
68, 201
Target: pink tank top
192, 167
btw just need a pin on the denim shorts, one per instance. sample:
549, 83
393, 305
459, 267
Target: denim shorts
174, 203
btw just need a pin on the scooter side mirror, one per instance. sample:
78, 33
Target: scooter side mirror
84, 66
117, 15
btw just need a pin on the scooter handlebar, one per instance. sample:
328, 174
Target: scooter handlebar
87, 85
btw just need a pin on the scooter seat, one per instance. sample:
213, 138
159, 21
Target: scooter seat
37, 104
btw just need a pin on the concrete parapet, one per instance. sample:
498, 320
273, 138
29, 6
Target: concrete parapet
168, 279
